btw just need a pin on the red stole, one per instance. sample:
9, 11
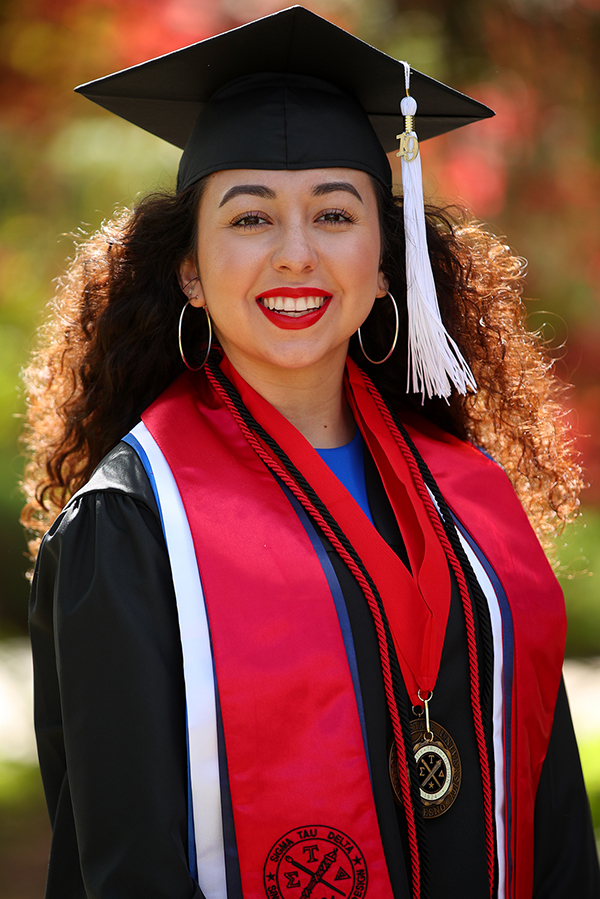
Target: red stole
265, 590
298, 779
426, 597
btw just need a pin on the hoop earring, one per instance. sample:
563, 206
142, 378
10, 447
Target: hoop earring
385, 358
181, 353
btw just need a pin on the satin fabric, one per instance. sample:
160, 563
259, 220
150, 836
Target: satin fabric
295, 751
416, 606
464, 476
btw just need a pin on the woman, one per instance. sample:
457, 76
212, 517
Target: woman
291, 638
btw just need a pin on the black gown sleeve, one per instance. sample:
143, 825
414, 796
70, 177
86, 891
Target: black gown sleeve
109, 696
565, 855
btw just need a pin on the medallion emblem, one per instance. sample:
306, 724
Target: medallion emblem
438, 768
315, 862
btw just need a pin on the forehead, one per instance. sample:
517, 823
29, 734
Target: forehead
286, 185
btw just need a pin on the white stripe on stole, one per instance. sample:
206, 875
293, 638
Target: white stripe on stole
498, 710
198, 673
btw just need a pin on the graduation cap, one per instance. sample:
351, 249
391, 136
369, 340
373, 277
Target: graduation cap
293, 91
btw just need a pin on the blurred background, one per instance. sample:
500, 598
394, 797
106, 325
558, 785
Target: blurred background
532, 173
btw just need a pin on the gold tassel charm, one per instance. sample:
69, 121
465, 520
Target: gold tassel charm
409, 142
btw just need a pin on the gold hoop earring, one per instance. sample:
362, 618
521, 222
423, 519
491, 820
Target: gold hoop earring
181, 353
385, 358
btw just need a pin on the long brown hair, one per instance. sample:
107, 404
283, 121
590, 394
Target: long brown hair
109, 348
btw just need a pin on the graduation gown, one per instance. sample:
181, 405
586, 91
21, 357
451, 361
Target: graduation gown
110, 717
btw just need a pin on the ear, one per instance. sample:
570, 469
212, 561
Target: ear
383, 285
190, 283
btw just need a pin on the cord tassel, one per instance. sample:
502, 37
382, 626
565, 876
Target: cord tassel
435, 362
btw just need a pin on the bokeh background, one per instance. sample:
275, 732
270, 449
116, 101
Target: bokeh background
532, 173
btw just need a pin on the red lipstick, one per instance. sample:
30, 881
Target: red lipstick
301, 320
294, 292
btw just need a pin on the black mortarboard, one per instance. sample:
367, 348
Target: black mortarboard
269, 106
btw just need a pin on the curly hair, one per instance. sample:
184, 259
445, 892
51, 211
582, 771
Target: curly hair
109, 348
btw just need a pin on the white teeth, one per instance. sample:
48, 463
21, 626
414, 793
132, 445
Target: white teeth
293, 304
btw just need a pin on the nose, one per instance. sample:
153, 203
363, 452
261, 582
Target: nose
294, 251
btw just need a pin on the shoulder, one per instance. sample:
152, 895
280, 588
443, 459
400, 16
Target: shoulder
107, 547
121, 471
115, 508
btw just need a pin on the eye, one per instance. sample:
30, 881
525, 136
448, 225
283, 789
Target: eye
336, 217
249, 220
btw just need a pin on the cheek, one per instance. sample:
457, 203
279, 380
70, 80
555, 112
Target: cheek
220, 265
363, 260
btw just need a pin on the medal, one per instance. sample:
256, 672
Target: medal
439, 770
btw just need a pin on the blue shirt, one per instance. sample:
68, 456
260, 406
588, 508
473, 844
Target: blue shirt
348, 465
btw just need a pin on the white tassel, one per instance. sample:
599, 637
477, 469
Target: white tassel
434, 361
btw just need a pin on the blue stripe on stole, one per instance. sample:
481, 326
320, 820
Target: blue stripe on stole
135, 444
340, 607
192, 859
232, 863
507, 677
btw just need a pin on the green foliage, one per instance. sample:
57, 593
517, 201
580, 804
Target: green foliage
24, 832
579, 574
589, 751
14, 588
20, 784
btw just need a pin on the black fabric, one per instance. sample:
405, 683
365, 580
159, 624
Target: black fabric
166, 95
566, 863
110, 718
273, 121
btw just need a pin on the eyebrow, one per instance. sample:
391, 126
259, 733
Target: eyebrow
259, 190
255, 190
330, 187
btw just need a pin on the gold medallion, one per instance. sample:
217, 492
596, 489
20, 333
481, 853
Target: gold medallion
438, 767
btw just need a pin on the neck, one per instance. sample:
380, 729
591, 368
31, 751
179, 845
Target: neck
312, 400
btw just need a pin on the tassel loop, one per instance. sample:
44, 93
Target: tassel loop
435, 363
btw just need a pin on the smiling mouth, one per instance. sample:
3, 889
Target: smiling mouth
293, 307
